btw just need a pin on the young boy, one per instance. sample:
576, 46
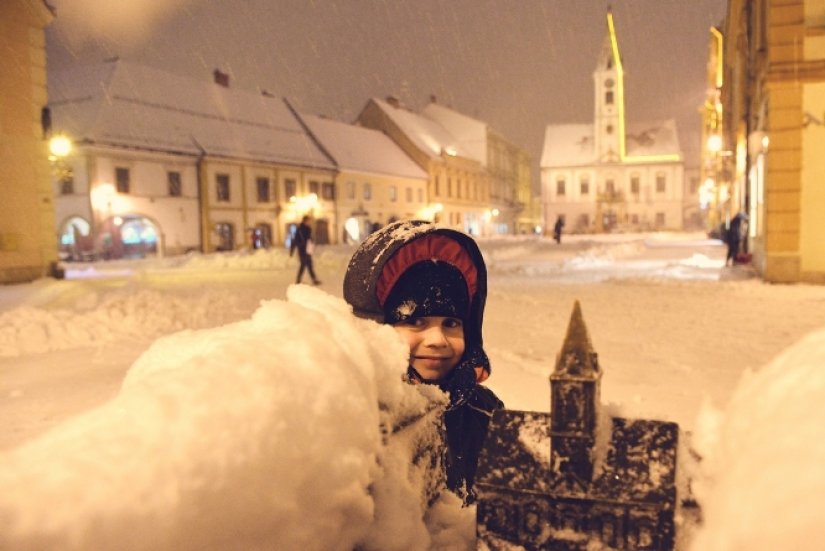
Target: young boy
430, 283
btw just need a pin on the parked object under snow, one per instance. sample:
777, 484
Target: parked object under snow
574, 478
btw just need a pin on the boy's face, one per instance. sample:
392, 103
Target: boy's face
436, 344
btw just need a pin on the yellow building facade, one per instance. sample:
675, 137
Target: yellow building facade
28, 245
774, 125
458, 186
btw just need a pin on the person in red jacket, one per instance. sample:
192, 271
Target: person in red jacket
430, 284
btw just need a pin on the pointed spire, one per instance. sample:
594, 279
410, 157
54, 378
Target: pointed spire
577, 356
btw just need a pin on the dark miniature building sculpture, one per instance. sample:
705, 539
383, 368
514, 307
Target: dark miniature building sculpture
575, 479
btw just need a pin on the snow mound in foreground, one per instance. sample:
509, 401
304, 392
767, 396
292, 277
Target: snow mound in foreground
764, 459
142, 314
261, 434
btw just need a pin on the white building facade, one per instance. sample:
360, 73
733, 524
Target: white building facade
610, 175
162, 164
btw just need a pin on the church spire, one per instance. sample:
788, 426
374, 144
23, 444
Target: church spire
577, 357
608, 80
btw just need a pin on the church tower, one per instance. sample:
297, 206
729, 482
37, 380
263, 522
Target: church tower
608, 85
574, 403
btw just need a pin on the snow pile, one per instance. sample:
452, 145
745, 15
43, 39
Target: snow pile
697, 260
109, 317
105, 317
764, 457
262, 434
275, 258
260, 259
604, 254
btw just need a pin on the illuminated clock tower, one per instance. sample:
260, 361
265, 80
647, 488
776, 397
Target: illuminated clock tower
608, 84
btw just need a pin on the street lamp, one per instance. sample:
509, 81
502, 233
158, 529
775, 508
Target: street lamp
60, 146
714, 143
431, 211
304, 203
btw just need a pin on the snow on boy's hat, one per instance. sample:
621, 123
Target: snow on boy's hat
430, 276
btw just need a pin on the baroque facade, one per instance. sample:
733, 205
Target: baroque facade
609, 174
773, 129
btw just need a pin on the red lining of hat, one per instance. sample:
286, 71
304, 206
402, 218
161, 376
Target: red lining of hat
429, 247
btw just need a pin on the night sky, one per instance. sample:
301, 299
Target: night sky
518, 65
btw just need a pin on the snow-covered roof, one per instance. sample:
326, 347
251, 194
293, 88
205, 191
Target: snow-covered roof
568, 145
130, 105
428, 135
360, 149
573, 144
470, 133
656, 138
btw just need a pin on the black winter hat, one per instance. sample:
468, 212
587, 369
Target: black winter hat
428, 288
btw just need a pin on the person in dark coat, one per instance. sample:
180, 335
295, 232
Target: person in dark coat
302, 240
430, 283
557, 229
734, 236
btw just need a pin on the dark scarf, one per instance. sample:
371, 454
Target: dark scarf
465, 421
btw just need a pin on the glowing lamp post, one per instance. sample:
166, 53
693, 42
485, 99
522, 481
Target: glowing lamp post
714, 144
431, 211
60, 146
302, 204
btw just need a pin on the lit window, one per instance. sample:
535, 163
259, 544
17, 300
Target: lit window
226, 236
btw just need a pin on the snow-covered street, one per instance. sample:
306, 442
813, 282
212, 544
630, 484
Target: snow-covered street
675, 331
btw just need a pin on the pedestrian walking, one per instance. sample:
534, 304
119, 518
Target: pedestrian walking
302, 241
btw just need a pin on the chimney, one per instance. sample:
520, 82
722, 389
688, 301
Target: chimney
221, 78
392, 100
